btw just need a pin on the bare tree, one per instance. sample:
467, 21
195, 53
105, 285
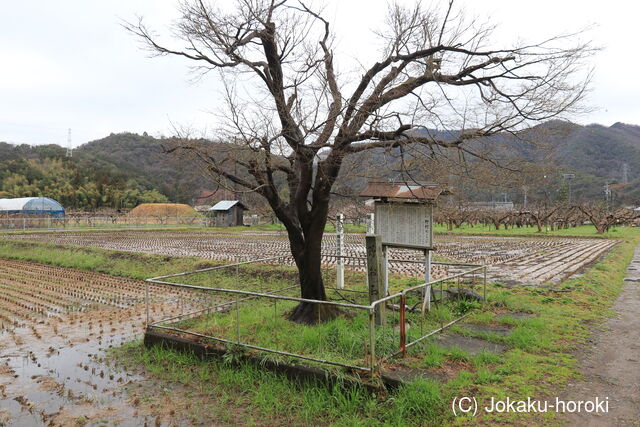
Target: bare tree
498, 217
541, 213
290, 115
602, 218
455, 215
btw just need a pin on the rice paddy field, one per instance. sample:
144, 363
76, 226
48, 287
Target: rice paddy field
513, 260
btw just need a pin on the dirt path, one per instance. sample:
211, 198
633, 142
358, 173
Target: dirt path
612, 365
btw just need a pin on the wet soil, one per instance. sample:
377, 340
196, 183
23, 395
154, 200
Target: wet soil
516, 315
487, 329
56, 326
472, 346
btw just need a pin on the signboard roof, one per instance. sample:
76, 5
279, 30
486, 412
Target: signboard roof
425, 192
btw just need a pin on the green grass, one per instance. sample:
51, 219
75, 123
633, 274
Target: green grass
540, 358
579, 231
134, 265
248, 395
344, 339
109, 228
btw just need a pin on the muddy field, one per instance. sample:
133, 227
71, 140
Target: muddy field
55, 326
513, 260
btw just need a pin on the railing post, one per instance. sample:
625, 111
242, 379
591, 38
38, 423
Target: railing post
370, 232
442, 303
385, 269
374, 271
403, 325
340, 251
484, 280
237, 321
146, 298
426, 292
372, 340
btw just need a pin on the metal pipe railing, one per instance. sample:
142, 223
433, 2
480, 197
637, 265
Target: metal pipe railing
374, 362
218, 267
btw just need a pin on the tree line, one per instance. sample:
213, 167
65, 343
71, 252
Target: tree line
75, 186
543, 216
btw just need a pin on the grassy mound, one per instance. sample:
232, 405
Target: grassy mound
148, 210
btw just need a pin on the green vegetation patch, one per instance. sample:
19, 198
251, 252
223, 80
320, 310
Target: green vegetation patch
126, 264
579, 231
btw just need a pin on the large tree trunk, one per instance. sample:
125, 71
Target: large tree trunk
306, 248
600, 228
539, 225
308, 260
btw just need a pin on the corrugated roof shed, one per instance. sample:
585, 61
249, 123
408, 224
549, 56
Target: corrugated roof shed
225, 205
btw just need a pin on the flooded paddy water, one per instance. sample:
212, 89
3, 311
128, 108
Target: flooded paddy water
56, 326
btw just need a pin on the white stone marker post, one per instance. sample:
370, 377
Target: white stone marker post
370, 232
340, 251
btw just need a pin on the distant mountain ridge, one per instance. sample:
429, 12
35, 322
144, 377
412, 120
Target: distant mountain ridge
595, 153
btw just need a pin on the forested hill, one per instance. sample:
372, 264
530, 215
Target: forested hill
145, 156
119, 171
125, 169
86, 181
600, 155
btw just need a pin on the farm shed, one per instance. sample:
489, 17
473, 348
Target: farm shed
31, 206
227, 213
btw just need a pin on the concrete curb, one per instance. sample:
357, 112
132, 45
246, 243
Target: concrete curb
300, 373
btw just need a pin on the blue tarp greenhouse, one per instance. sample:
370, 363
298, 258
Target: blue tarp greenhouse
40, 206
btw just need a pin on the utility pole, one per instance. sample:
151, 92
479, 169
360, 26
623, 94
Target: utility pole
607, 194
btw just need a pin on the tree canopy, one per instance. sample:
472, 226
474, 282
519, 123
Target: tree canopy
291, 114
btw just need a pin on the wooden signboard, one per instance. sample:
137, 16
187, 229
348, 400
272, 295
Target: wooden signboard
407, 225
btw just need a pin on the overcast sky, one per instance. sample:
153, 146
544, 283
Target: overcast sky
69, 63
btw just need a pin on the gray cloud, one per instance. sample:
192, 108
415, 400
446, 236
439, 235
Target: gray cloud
69, 64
